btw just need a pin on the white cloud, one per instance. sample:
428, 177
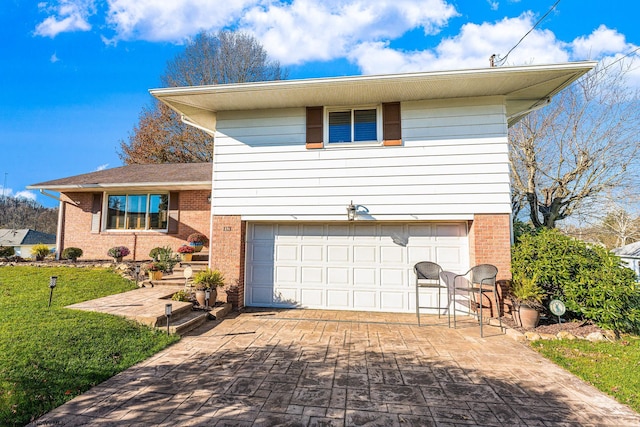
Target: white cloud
102, 167
307, 30
65, 16
54, 58
494, 5
603, 41
24, 194
172, 21
471, 48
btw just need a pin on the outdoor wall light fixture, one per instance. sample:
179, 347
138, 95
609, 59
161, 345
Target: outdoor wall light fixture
209, 198
52, 284
351, 211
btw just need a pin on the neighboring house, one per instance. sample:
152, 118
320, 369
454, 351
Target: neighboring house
630, 255
423, 158
23, 240
138, 206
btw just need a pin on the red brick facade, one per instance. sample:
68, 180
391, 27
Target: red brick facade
193, 214
228, 255
490, 243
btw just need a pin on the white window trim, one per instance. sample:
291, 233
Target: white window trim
378, 142
105, 210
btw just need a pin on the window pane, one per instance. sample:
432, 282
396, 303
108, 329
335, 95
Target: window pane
158, 208
136, 212
115, 212
364, 128
340, 126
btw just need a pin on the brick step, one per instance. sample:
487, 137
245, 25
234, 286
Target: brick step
184, 320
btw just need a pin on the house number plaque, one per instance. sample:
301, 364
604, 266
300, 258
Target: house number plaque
226, 228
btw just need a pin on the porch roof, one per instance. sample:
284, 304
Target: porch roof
162, 176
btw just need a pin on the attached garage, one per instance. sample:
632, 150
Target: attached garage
347, 265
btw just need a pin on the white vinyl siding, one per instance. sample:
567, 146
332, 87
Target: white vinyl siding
453, 164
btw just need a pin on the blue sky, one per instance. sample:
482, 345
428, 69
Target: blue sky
74, 74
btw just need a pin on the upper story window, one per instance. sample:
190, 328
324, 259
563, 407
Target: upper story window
353, 125
137, 211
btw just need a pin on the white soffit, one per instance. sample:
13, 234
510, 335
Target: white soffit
523, 88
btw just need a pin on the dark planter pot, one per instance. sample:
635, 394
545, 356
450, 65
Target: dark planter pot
529, 316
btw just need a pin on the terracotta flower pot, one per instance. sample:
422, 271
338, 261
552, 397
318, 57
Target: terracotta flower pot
200, 297
529, 316
155, 275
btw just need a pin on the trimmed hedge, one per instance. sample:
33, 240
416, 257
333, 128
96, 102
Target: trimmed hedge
591, 281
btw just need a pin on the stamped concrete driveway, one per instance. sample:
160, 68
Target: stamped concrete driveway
329, 368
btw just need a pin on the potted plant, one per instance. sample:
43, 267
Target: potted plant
527, 296
197, 241
155, 269
40, 251
118, 252
207, 280
186, 252
166, 256
72, 253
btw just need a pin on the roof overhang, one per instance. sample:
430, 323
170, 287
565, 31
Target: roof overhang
524, 88
129, 187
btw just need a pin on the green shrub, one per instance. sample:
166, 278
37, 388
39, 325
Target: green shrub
589, 279
208, 279
40, 251
181, 295
7, 251
72, 253
165, 256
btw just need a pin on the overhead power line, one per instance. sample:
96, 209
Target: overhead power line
495, 60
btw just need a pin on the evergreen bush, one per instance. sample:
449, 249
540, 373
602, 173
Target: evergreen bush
591, 281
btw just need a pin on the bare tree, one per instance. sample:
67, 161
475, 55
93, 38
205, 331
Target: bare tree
226, 57
568, 155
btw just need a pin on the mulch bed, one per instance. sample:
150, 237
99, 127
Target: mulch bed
552, 327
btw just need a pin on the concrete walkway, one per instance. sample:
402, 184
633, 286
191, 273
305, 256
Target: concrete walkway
333, 368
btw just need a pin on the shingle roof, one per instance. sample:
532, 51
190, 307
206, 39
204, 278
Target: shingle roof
631, 250
163, 174
25, 236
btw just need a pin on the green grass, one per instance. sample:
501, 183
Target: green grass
50, 355
612, 367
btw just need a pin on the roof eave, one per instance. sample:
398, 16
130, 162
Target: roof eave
204, 185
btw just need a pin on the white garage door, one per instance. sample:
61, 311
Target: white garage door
347, 266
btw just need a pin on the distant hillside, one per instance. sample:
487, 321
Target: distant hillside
17, 212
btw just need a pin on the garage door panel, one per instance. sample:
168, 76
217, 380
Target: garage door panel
338, 254
393, 301
312, 297
364, 277
286, 252
364, 254
312, 275
355, 266
338, 299
394, 278
365, 300
337, 276
392, 254
286, 274
312, 253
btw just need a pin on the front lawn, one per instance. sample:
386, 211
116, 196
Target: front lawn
612, 367
50, 355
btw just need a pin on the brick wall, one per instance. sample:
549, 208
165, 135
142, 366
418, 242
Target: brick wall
228, 255
490, 243
194, 213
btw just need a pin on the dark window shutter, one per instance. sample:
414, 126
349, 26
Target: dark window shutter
391, 124
315, 129
96, 212
174, 212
